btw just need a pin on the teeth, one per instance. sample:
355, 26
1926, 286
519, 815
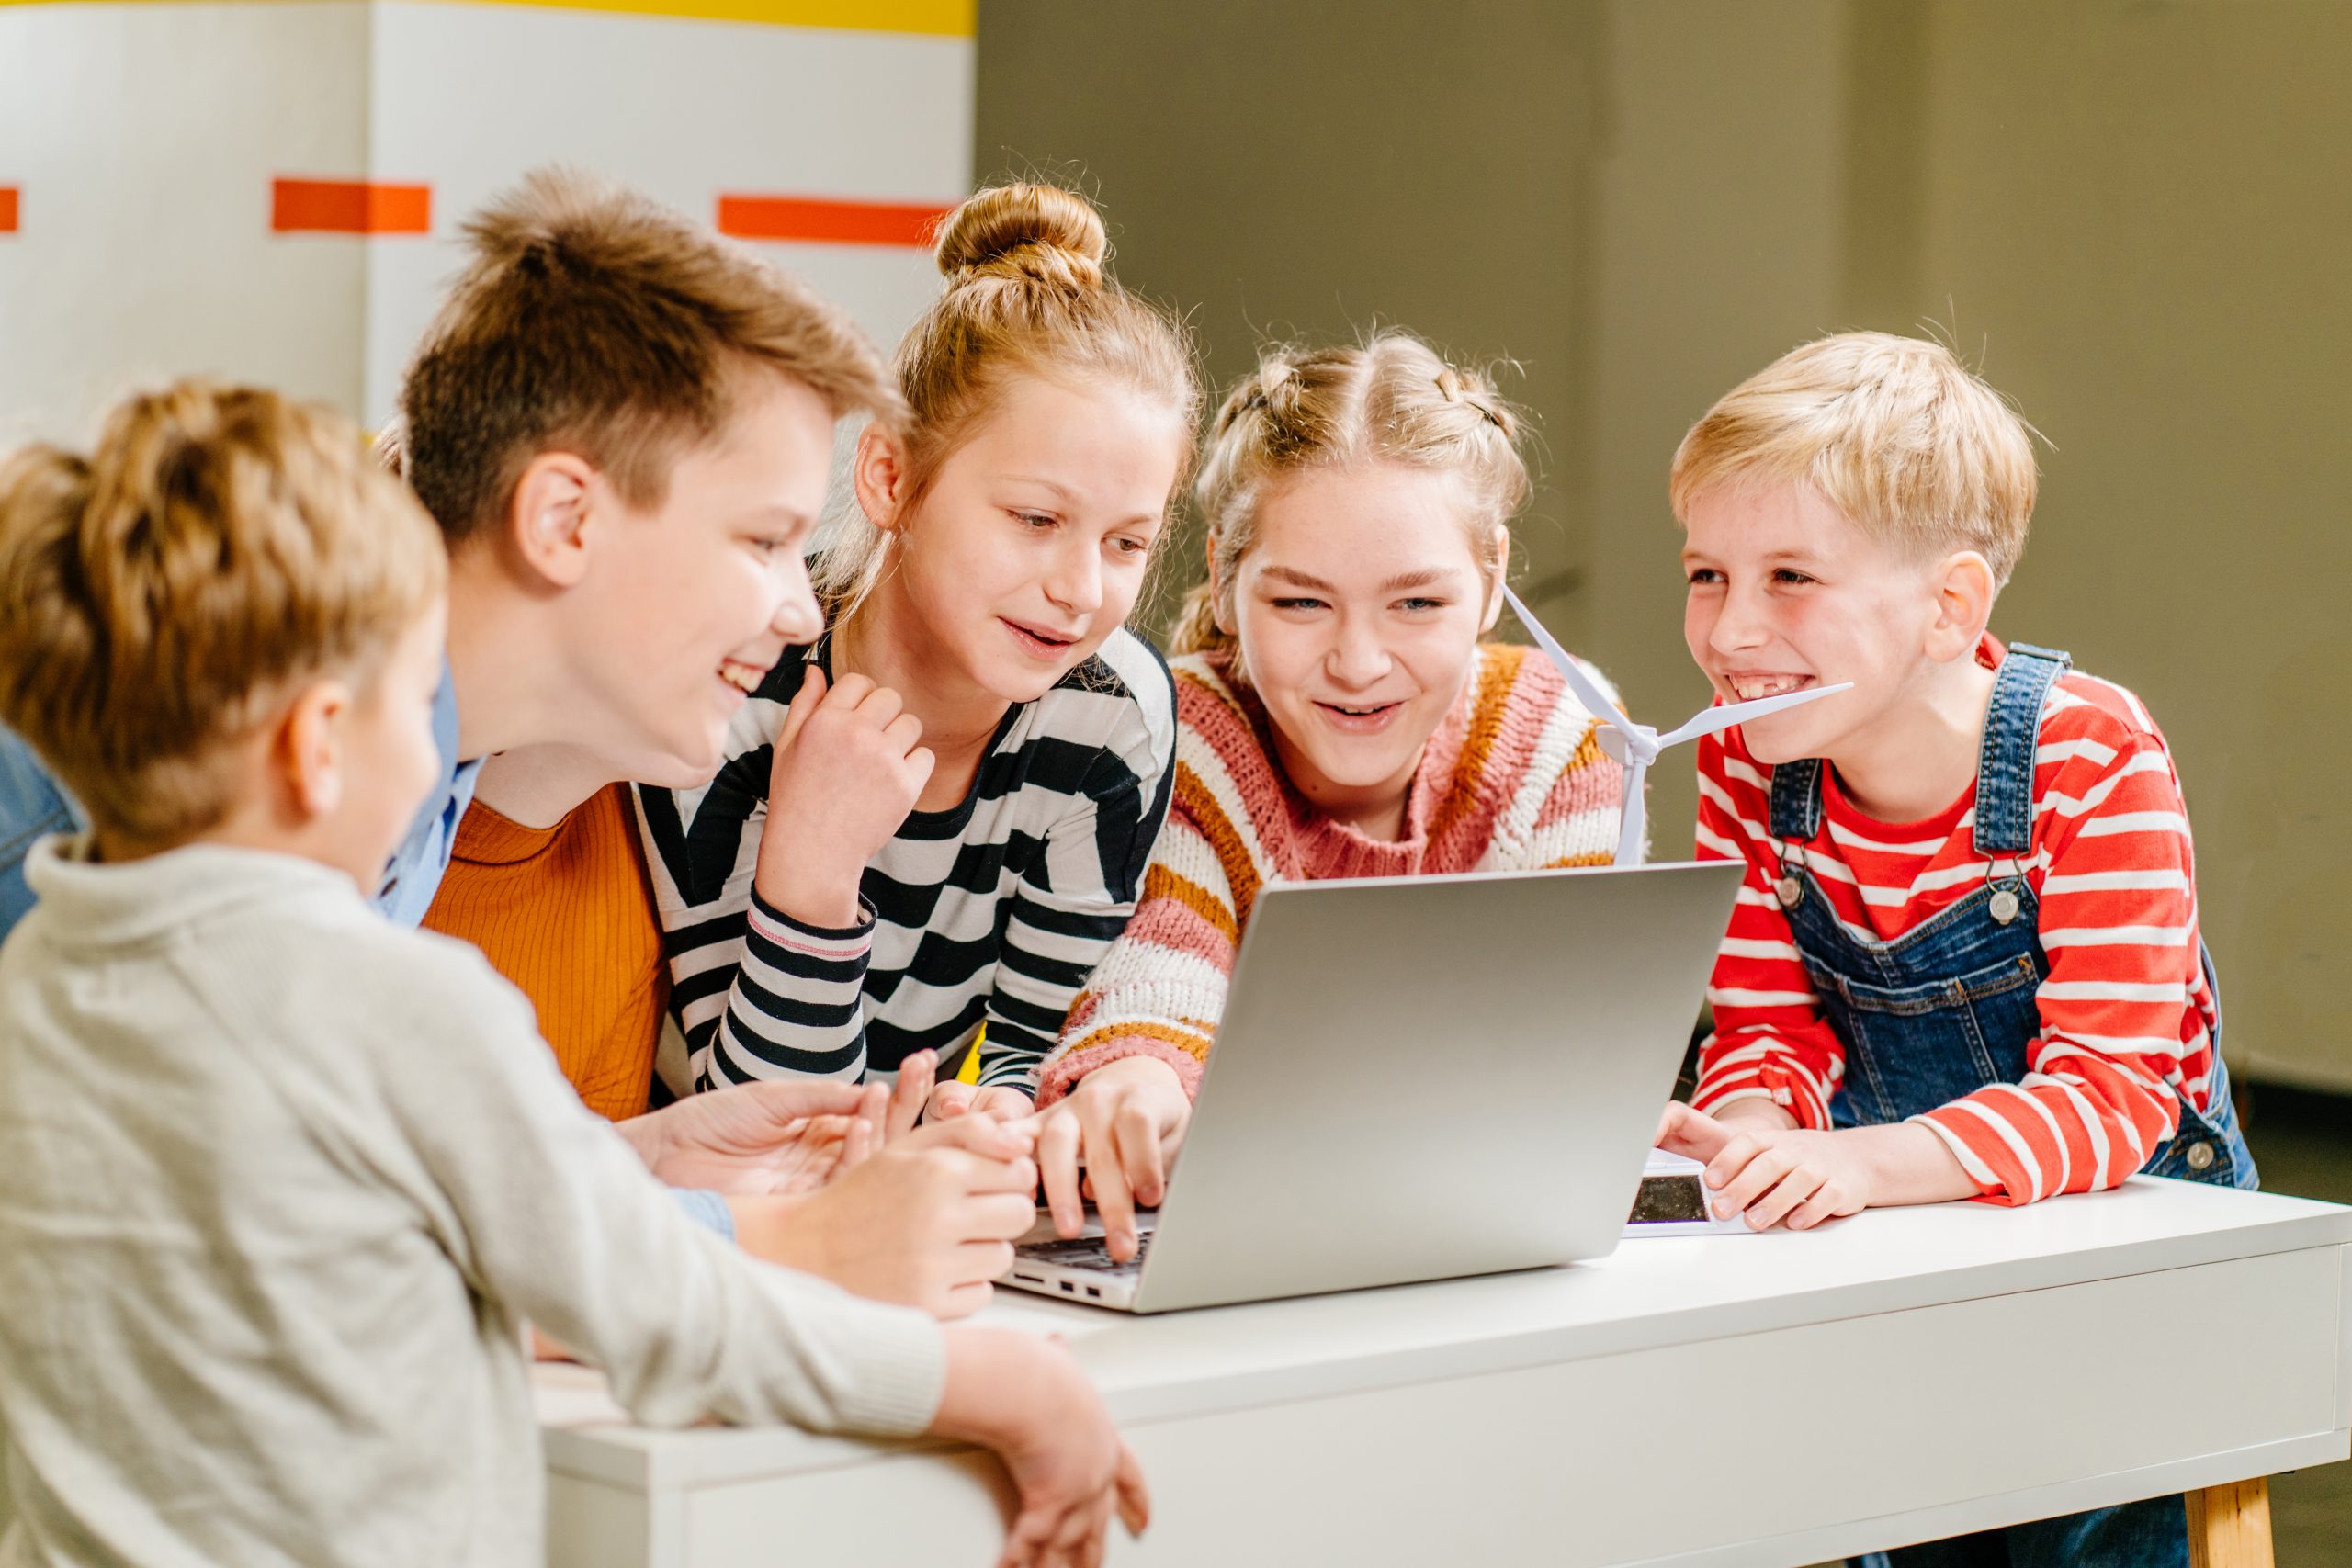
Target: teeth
1748, 688
741, 677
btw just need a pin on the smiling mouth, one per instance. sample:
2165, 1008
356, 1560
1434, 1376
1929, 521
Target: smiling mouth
744, 678
1042, 643
1750, 688
1358, 715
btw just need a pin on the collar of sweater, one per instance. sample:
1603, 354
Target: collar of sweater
85, 902
1326, 847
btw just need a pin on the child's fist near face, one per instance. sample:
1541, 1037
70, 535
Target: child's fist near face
848, 767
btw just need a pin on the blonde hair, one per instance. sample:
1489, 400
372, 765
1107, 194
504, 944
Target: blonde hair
1026, 293
1895, 431
220, 545
594, 320
1392, 399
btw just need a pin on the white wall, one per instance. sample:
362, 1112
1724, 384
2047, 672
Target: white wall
145, 138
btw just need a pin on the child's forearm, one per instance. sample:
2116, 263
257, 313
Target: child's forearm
1909, 1164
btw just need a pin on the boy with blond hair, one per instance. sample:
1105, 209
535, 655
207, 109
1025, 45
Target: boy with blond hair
264, 1272
1966, 962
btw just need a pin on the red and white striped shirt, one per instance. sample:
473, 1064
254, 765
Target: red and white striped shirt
2126, 1016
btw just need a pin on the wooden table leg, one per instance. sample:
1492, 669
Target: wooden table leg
2229, 1527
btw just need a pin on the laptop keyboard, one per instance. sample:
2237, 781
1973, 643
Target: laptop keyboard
1087, 1252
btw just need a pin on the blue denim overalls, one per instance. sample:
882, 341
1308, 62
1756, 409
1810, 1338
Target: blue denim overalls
1948, 1008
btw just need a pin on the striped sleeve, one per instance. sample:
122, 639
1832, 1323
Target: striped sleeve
796, 1007
1769, 1041
756, 993
1077, 897
1161, 991
2120, 1012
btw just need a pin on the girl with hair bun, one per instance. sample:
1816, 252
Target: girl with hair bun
935, 819
1338, 716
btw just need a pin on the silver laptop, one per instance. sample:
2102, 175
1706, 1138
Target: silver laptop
1418, 1078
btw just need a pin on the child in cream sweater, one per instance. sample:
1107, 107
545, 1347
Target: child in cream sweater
266, 1274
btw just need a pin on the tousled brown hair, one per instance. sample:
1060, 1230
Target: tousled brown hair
1026, 293
1391, 399
218, 547
593, 320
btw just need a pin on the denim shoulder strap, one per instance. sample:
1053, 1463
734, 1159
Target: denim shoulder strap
1796, 801
2005, 763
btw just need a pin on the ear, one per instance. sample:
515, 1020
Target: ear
1965, 592
1494, 583
551, 520
879, 474
306, 753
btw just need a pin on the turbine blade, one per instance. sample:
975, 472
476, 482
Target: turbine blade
1595, 700
1723, 718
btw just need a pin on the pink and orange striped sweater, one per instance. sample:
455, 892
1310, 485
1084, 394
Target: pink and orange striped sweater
1513, 780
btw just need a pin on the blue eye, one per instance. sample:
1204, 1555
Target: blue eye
1416, 607
1298, 604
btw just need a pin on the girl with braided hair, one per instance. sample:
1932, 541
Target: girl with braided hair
1339, 715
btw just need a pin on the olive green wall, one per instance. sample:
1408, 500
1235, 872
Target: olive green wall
2130, 213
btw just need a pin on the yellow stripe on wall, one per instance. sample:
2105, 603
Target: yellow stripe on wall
942, 18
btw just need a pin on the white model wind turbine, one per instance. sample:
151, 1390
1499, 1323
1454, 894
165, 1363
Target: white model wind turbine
1637, 745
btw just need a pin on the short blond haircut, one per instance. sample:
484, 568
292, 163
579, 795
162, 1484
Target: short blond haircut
1027, 294
1392, 399
218, 547
593, 319
1895, 433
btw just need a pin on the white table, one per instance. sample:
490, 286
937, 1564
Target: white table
1737, 1400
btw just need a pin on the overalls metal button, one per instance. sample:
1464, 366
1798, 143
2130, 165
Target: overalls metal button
2200, 1156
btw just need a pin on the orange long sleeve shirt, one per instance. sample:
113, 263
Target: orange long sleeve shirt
567, 915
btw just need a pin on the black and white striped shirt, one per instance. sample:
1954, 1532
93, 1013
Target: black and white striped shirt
992, 912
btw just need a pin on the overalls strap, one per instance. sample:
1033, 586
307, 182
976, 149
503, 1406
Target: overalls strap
2004, 762
1796, 801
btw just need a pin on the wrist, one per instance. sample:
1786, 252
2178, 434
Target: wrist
1148, 1072
1001, 1386
812, 891
1909, 1163
763, 1228
1756, 1112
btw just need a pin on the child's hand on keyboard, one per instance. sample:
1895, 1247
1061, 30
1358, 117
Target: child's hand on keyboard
1126, 1118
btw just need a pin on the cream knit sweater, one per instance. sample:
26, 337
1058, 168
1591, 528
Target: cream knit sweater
280, 1183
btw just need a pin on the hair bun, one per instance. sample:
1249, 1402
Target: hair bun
1032, 231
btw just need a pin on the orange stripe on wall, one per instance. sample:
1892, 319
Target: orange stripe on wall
349, 206
832, 222
7, 210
